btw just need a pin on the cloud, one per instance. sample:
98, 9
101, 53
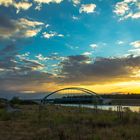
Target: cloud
76, 2
41, 57
18, 72
119, 42
9, 48
31, 33
136, 15
60, 35
16, 64
47, 25
26, 22
94, 46
121, 8
127, 9
7, 57
51, 34
75, 69
22, 73
40, 2
87, 8
75, 17
135, 52
20, 28
6, 2
31, 64
87, 53
47, 1
23, 56
22, 5
38, 7
135, 44
51, 57
33, 80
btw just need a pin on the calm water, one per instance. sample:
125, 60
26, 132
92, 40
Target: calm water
106, 107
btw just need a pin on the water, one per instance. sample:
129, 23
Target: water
106, 107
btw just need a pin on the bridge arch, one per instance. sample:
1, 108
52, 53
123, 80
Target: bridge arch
90, 92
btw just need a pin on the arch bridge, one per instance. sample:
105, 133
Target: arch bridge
92, 98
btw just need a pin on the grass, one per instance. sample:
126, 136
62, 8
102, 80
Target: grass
68, 123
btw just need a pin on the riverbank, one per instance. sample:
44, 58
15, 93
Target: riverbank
68, 123
123, 99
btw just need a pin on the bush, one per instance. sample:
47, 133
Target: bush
15, 100
3, 103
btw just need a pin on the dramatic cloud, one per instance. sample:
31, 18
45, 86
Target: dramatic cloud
15, 64
27, 62
128, 9
87, 8
18, 72
20, 28
32, 80
76, 69
51, 34
22, 5
22, 73
32, 64
7, 59
135, 44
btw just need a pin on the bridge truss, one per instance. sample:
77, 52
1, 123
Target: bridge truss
74, 91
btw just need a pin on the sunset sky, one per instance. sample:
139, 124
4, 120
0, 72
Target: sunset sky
46, 45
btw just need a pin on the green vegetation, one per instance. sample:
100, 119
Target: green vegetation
68, 123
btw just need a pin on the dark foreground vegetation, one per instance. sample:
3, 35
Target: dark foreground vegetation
68, 123
123, 99
121, 96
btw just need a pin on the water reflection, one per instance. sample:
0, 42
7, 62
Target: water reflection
107, 107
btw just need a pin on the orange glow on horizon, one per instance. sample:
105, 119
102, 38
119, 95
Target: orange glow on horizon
117, 87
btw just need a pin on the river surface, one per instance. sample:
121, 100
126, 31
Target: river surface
106, 107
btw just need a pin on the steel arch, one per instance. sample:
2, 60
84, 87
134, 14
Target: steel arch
97, 96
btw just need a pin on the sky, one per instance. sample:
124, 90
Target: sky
46, 45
